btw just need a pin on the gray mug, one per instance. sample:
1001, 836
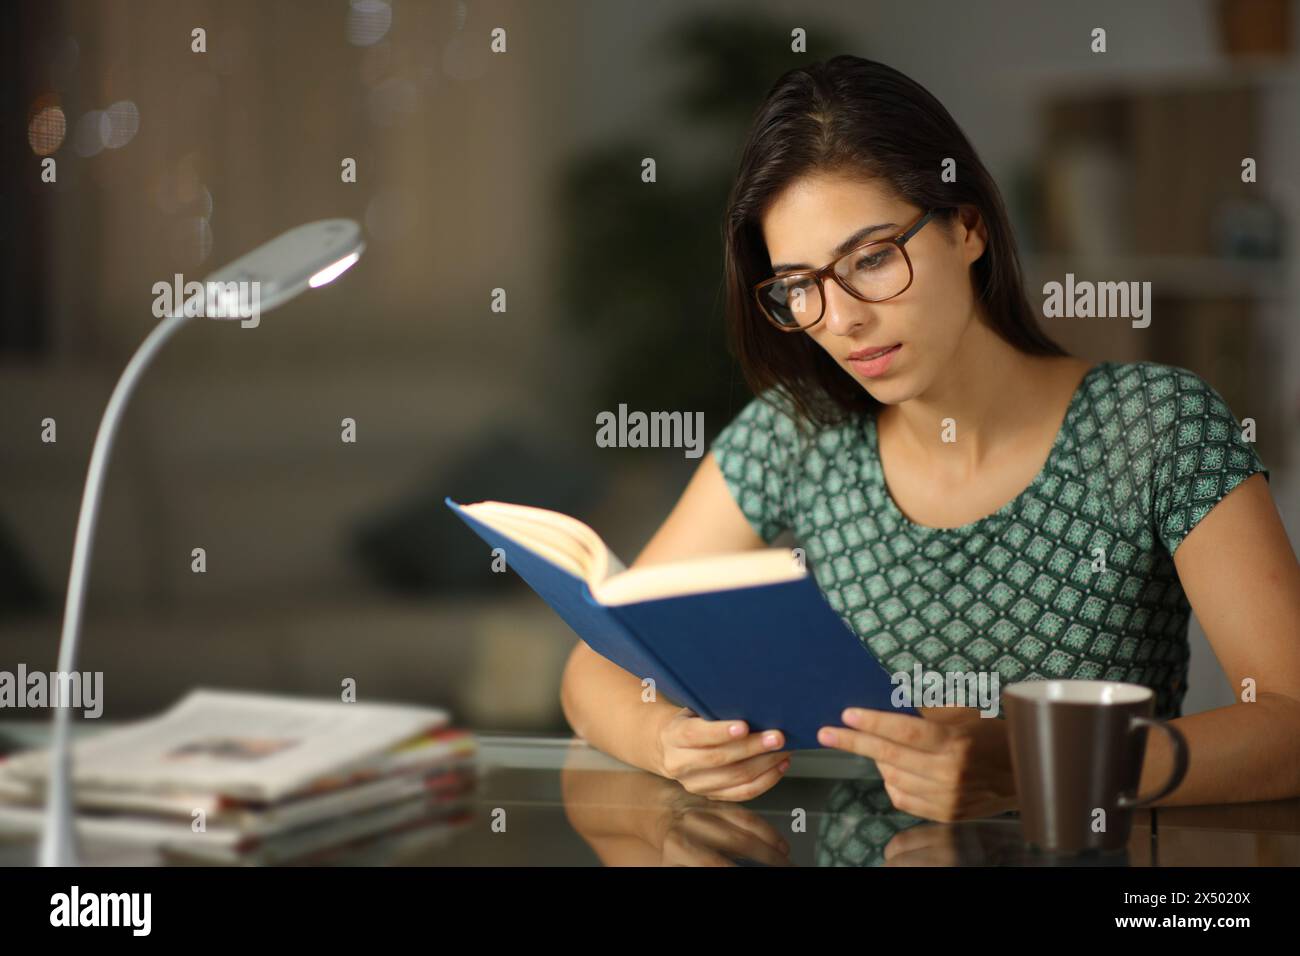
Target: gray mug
1077, 749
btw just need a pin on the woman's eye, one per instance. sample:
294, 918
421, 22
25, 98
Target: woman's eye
872, 261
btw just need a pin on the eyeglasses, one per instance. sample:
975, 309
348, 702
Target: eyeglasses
873, 271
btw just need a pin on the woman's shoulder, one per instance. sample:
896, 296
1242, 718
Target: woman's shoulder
1170, 438
771, 433
771, 410
1131, 400
1153, 381
771, 419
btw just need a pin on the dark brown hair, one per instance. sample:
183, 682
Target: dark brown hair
856, 116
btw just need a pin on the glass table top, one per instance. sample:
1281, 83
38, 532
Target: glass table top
556, 801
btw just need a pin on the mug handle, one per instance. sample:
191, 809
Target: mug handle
1180, 763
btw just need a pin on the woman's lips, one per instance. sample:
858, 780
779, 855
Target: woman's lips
876, 366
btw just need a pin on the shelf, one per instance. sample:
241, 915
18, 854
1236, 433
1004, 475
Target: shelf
1189, 276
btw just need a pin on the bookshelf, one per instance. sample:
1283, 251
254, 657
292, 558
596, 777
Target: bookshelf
1137, 176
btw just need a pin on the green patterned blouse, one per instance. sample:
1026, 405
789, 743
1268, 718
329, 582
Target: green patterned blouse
1072, 578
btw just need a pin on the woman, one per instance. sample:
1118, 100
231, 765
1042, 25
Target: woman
970, 497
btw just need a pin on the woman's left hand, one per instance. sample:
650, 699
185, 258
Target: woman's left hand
952, 764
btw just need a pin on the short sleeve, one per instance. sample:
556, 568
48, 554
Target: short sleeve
753, 454
1201, 452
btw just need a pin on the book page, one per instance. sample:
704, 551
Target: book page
564, 540
701, 575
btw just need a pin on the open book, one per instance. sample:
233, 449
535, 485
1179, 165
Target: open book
737, 636
573, 546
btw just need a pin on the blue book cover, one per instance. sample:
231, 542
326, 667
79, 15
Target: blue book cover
776, 655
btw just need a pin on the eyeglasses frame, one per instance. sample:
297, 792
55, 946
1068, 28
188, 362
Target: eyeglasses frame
828, 271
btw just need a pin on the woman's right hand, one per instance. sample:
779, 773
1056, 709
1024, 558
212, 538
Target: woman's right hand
720, 759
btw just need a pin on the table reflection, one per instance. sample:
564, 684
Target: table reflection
632, 818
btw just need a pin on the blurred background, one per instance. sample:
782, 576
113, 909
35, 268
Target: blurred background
521, 171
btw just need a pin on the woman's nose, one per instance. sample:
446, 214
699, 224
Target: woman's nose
844, 313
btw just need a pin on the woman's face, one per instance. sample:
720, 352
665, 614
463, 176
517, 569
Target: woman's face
922, 328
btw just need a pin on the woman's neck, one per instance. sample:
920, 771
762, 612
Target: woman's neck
995, 396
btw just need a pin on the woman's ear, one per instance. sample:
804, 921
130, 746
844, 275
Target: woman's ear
971, 233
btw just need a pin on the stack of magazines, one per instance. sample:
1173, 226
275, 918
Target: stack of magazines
229, 777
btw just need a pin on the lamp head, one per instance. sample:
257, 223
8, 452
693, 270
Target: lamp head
307, 256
